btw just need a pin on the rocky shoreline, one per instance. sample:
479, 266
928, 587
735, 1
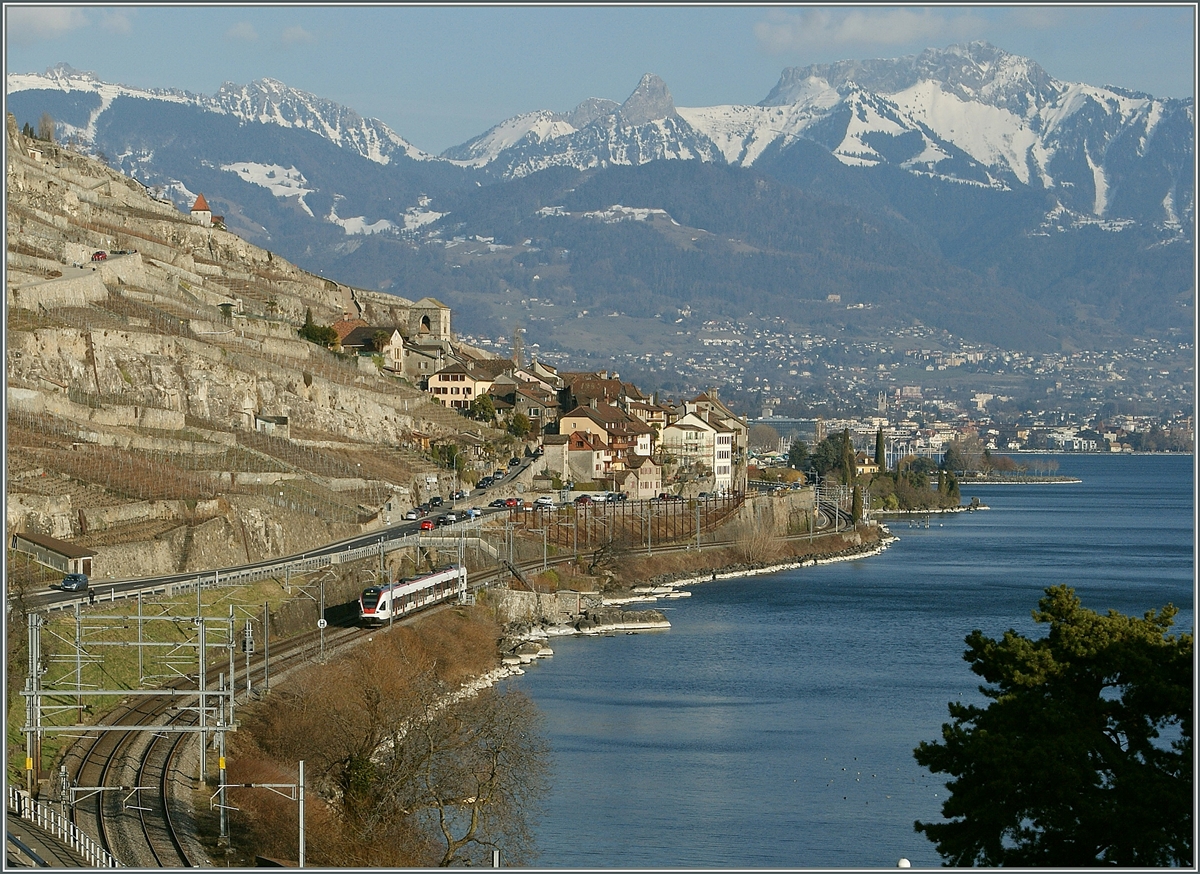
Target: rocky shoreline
932, 510
1021, 481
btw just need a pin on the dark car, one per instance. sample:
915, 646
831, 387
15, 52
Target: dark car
436, 501
75, 583
583, 500
484, 483
499, 502
514, 461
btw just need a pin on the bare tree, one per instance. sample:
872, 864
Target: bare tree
471, 772
755, 543
764, 437
46, 127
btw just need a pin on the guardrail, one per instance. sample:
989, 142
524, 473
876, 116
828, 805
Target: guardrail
238, 576
23, 805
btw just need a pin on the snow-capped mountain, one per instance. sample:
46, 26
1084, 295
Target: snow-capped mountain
266, 101
973, 114
597, 133
962, 186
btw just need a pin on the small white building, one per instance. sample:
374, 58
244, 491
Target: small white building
200, 211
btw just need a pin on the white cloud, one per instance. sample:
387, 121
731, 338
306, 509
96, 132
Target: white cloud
297, 34
243, 31
816, 28
26, 25
116, 22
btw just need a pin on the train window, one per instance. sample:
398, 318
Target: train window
370, 598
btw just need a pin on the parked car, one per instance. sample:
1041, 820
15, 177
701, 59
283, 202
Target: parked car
99, 256
426, 525
424, 508
665, 496
75, 583
583, 500
412, 514
436, 501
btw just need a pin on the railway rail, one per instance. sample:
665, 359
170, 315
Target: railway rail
103, 804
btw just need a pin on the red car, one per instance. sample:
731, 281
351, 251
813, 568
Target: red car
426, 525
99, 256
511, 502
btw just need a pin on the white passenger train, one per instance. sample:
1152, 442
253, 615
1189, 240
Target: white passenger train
388, 603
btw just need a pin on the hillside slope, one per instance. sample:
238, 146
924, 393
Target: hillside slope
161, 408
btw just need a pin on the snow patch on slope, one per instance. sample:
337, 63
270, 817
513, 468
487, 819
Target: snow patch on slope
283, 182
995, 137
357, 224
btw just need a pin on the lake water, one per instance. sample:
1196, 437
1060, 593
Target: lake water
773, 724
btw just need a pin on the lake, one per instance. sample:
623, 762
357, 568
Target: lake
773, 724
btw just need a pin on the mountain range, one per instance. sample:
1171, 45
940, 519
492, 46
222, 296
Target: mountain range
962, 187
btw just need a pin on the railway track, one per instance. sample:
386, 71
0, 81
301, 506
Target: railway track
132, 815
106, 785
121, 781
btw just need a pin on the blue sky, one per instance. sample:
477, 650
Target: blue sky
441, 74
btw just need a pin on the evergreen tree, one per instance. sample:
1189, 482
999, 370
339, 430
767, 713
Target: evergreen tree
798, 455
848, 470
856, 505
1083, 757
880, 452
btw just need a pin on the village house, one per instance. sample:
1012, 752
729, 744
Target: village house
457, 385
640, 481
368, 340
581, 389
625, 435
588, 457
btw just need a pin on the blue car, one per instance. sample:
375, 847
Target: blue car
75, 583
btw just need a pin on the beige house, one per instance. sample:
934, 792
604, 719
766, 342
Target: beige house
457, 386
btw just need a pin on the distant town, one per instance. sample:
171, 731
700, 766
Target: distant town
922, 387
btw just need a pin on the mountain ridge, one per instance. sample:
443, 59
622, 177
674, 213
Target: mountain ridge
975, 157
